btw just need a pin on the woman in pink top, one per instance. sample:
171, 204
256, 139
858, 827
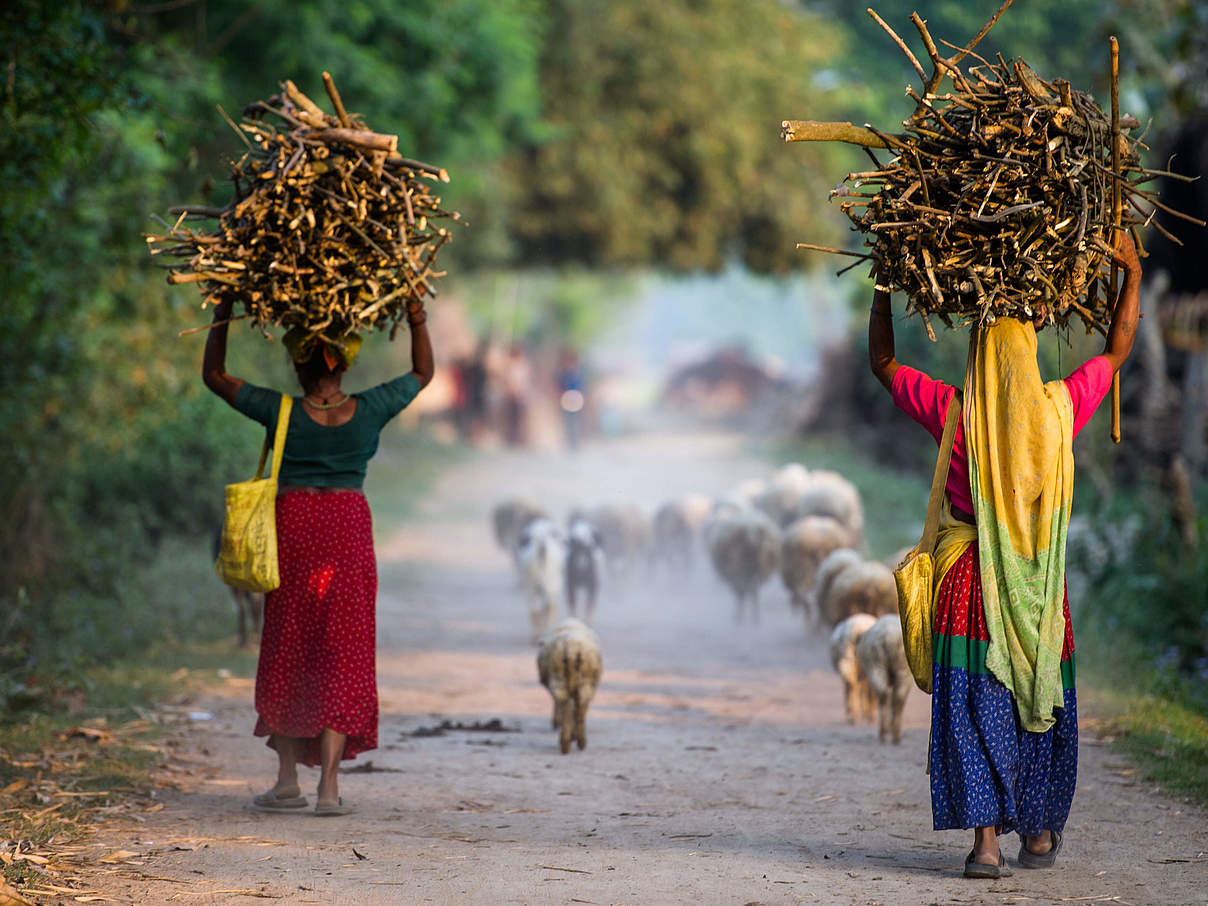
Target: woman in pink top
988, 773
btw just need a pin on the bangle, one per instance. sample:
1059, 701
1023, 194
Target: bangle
881, 289
419, 319
883, 314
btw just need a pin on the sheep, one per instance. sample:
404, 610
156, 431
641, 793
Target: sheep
830, 494
624, 533
857, 694
569, 665
804, 546
780, 496
744, 548
584, 566
510, 517
674, 530
541, 555
864, 587
881, 656
832, 564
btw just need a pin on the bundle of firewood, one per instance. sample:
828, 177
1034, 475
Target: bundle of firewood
1002, 195
330, 228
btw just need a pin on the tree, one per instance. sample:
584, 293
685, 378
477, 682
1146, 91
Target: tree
664, 146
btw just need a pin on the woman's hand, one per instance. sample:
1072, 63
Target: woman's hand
1125, 253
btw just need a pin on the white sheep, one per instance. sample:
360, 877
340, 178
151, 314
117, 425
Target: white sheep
830, 494
832, 564
510, 517
625, 534
864, 587
782, 493
540, 556
675, 527
883, 659
744, 548
569, 665
857, 694
805, 544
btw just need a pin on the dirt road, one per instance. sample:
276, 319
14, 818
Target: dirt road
719, 769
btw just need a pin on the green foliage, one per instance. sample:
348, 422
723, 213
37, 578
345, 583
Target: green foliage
664, 148
1149, 589
1164, 61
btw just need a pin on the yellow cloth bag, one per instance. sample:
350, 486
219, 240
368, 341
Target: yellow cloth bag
248, 557
915, 575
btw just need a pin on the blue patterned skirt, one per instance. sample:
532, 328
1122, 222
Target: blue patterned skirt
986, 770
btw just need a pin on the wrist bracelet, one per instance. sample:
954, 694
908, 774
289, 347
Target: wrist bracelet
881, 289
417, 321
883, 314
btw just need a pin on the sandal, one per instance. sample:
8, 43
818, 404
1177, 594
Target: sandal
332, 809
272, 801
982, 870
1029, 859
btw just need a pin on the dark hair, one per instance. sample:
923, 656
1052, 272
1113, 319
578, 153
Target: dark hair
314, 368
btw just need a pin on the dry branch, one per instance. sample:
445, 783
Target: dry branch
999, 197
330, 228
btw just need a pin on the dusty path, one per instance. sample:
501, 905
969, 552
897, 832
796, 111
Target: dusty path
718, 771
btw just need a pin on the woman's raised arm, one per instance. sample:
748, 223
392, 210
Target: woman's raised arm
1123, 329
880, 335
422, 365
213, 365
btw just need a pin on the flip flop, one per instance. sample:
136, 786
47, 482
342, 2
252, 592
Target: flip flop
1029, 859
271, 802
332, 809
982, 870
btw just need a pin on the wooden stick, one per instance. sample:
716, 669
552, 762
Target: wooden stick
361, 138
308, 111
918, 67
826, 248
981, 34
192, 330
813, 131
1114, 286
330, 85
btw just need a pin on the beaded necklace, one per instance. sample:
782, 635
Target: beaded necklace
315, 405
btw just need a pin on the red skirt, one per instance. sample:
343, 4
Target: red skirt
317, 666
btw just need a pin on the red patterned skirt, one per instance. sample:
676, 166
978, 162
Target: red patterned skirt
317, 666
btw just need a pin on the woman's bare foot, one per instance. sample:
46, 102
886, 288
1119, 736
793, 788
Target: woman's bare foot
985, 845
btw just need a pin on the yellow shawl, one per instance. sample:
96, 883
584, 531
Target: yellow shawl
1018, 434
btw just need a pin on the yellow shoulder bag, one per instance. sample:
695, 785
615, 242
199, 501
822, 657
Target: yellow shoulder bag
915, 575
248, 558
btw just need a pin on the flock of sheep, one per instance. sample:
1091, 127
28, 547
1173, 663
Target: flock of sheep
807, 526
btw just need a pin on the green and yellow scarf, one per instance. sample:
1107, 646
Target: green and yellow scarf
1018, 435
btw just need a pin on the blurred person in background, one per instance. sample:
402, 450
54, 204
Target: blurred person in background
517, 381
571, 399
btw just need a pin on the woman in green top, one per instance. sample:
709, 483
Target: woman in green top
316, 682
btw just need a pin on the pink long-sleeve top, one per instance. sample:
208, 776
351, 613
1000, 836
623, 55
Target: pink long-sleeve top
926, 401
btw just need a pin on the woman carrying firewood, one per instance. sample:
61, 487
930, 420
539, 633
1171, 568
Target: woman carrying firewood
316, 683
1004, 723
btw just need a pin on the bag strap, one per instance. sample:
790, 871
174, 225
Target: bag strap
931, 527
287, 405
